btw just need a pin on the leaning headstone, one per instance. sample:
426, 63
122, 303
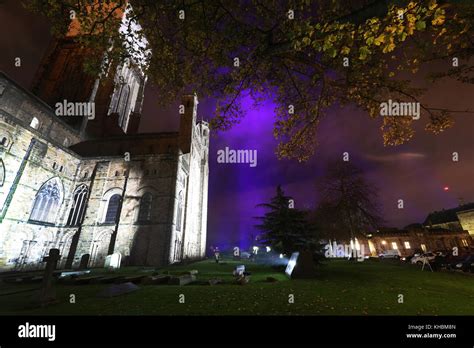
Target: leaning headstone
291, 263
47, 291
182, 280
301, 266
118, 289
84, 261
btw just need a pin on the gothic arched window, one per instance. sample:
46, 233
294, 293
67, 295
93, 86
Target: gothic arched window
122, 105
76, 214
112, 209
144, 214
47, 202
179, 212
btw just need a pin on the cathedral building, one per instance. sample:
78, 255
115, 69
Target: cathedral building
84, 181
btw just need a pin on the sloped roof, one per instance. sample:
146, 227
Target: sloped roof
444, 216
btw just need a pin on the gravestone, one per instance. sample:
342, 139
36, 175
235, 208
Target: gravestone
182, 280
86, 280
156, 280
108, 280
84, 261
113, 261
215, 281
47, 290
241, 276
301, 266
118, 289
291, 263
132, 279
239, 270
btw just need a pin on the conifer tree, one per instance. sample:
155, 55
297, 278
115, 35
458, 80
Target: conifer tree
284, 228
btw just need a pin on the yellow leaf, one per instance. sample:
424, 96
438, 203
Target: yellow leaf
389, 48
432, 4
438, 21
380, 39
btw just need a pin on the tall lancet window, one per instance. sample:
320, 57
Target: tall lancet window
76, 214
112, 209
179, 212
47, 202
144, 214
122, 105
2, 173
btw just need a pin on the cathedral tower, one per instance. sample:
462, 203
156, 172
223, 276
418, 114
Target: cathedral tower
116, 95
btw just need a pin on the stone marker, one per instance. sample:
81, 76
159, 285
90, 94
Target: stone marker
301, 266
108, 280
243, 280
113, 261
182, 280
156, 280
13, 280
215, 281
86, 280
84, 261
132, 279
118, 289
73, 273
239, 271
47, 290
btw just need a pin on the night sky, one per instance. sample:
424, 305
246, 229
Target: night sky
416, 172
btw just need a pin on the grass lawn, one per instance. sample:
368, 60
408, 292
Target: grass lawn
342, 288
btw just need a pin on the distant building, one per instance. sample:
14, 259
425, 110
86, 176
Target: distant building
459, 218
409, 241
441, 230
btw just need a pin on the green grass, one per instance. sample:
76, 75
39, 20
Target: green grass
342, 288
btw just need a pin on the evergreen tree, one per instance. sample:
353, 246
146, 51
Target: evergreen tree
284, 228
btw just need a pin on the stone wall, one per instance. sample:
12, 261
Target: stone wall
29, 160
30, 157
466, 219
